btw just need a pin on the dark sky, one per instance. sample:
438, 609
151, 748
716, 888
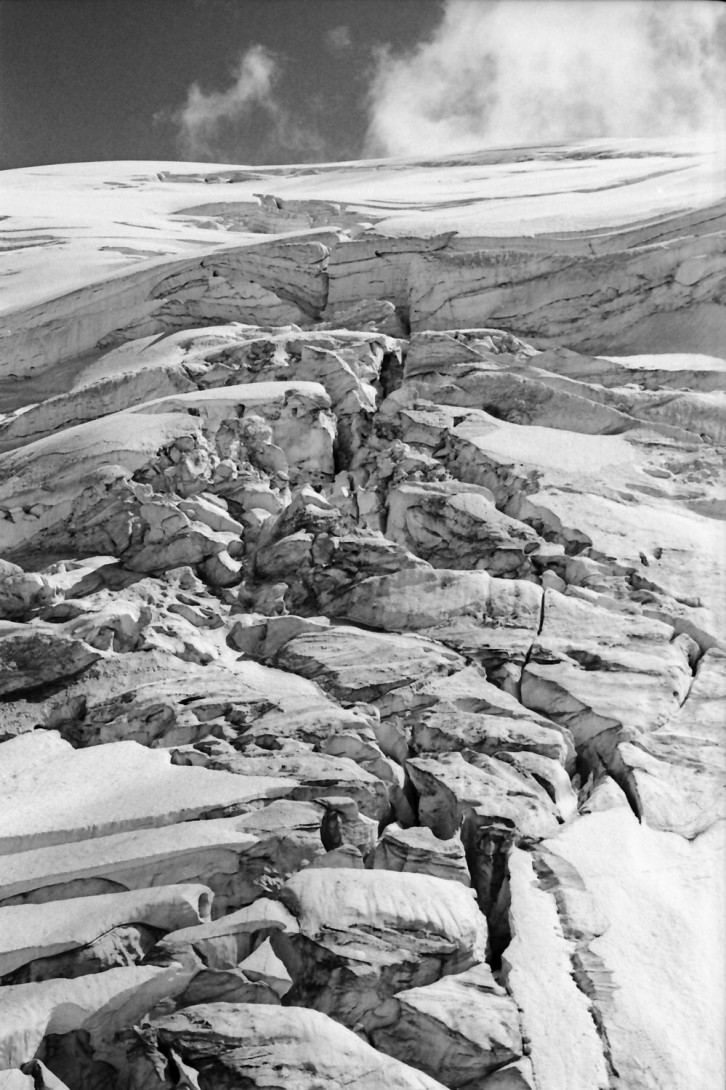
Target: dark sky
90, 80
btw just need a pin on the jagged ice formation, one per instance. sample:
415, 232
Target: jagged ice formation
362, 627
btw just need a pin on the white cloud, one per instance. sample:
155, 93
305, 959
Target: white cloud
247, 119
339, 39
515, 71
204, 113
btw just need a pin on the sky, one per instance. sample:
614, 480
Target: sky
280, 81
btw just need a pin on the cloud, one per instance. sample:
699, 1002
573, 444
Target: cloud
516, 71
246, 119
201, 119
339, 39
